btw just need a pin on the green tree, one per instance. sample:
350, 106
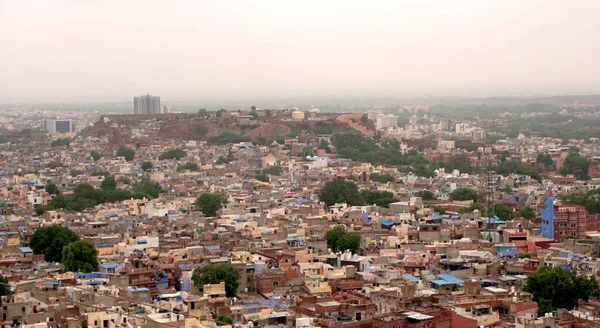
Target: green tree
124, 180
51, 240
147, 166
52, 189
555, 288
505, 154
464, 194
146, 188
458, 162
217, 273
427, 195
221, 111
364, 118
203, 113
528, 213
334, 235
260, 140
80, 256
200, 129
349, 242
75, 173
503, 212
175, 153
590, 199
338, 239
100, 173
54, 165
273, 170
4, 287
376, 197
223, 320
382, 178
210, 203
126, 152
187, 166
438, 209
109, 183
576, 165
340, 191
95, 155
545, 160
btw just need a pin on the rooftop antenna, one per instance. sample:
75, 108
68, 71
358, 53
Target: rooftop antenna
490, 185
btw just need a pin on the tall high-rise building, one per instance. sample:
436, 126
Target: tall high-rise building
146, 105
57, 126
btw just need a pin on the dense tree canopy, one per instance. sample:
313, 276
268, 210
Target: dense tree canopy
381, 178
345, 191
210, 203
528, 213
175, 153
51, 240
577, 165
126, 152
95, 155
86, 196
338, 239
589, 199
464, 194
514, 167
187, 167
229, 137
376, 197
340, 191
147, 166
458, 162
375, 150
216, 273
503, 212
223, 320
555, 288
545, 160
52, 189
4, 287
80, 256
427, 195
109, 183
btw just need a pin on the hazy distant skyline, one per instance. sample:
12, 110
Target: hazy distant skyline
115, 50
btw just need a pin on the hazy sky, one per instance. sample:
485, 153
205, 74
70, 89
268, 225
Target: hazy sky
113, 50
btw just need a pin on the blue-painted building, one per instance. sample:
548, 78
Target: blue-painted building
548, 218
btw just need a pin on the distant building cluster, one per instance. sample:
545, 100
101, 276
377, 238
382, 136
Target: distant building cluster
58, 126
147, 105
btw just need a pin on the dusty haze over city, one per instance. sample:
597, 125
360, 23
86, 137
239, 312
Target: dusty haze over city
112, 50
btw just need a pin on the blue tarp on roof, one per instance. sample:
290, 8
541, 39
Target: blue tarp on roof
455, 217
109, 265
290, 239
441, 282
450, 278
25, 250
411, 278
365, 218
436, 217
270, 304
496, 220
386, 222
50, 283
